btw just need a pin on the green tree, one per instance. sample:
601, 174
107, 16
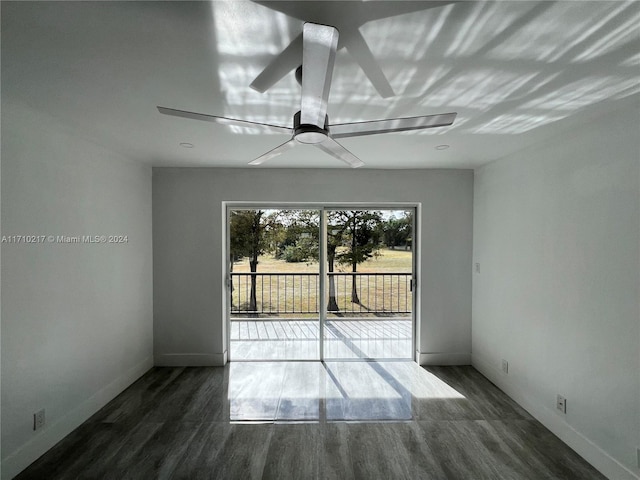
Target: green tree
397, 231
248, 239
300, 240
352, 237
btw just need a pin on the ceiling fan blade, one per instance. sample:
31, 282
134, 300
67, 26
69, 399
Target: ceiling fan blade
359, 50
320, 43
356, 129
223, 120
274, 153
336, 150
286, 61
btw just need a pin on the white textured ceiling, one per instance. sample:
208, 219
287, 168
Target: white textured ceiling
517, 73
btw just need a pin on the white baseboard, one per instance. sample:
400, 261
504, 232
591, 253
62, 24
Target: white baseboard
24, 456
191, 359
443, 359
592, 453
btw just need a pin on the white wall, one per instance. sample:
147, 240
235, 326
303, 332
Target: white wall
557, 234
187, 248
77, 320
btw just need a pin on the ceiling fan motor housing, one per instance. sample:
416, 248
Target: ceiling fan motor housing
308, 133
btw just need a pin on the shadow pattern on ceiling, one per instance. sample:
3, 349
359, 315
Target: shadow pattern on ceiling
506, 67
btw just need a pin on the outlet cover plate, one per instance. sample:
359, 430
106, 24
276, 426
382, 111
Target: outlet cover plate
505, 366
38, 419
561, 403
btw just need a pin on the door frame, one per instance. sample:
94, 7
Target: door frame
228, 206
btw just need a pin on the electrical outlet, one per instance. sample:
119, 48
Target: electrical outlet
477, 268
561, 403
505, 366
38, 420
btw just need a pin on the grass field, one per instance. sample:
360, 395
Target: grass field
387, 261
291, 292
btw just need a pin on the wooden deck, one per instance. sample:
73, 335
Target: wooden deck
285, 339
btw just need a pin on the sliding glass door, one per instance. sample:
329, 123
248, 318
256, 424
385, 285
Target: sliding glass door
369, 258
314, 284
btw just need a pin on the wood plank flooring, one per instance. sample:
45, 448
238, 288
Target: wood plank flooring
309, 420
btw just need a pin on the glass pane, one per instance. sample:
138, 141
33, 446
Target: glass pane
274, 276
369, 278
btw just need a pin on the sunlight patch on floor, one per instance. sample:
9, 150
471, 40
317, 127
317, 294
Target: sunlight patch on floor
331, 391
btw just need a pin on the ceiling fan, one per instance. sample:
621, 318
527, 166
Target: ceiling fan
348, 18
311, 123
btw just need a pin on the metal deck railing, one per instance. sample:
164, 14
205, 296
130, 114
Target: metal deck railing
350, 293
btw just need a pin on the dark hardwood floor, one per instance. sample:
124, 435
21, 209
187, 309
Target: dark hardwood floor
307, 420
